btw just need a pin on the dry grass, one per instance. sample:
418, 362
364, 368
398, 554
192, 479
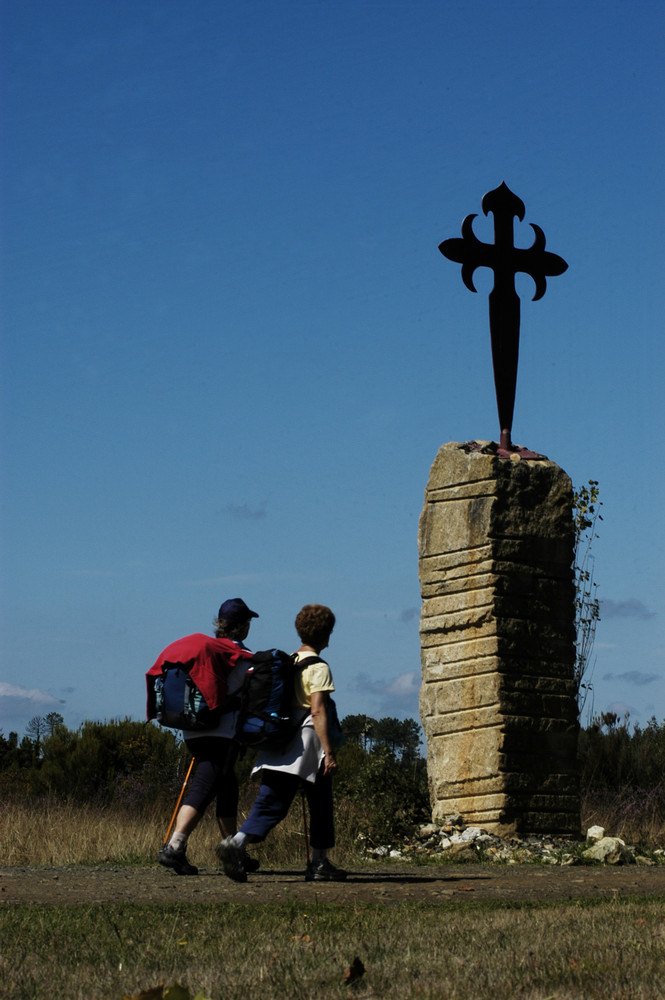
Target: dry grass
50, 832
635, 815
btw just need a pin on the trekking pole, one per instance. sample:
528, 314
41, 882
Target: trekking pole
177, 805
304, 822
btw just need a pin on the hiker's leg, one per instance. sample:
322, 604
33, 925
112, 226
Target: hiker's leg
198, 797
322, 831
173, 855
319, 796
209, 767
227, 789
187, 820
271, 806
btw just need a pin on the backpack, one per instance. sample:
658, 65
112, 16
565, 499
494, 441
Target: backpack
178, 702
266, 719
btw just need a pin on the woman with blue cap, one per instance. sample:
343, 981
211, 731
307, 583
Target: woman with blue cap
213, 750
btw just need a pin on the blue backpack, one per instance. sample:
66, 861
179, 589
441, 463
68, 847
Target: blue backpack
180, 705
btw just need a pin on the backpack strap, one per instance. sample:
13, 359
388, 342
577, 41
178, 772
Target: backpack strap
336, 733
308, 661
300, 665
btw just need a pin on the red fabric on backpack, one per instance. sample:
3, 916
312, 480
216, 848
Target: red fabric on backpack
212, 660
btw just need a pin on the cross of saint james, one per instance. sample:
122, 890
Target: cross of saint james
505, 259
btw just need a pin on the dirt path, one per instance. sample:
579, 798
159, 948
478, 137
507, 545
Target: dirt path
367, 883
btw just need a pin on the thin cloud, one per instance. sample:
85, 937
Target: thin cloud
243, 512
633, 677
91, 573
232, 578
396, 696
381, 614
405, 686
621, 708
29, 694
242, 579
631, 608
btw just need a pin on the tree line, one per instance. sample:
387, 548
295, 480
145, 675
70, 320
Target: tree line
128, 764
382, 778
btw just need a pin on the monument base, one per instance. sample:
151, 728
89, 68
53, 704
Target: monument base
498, 699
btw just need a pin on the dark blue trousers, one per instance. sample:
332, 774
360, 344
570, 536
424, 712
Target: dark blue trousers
275, 796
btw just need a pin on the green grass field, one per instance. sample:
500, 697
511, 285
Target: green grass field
605, 950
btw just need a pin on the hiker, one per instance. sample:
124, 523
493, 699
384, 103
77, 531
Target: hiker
307, 762
214, 750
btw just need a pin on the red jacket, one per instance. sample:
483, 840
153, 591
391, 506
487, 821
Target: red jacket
208, 661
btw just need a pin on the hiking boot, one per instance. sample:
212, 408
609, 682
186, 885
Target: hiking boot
177, 860
324, 871
232, 858
250, 864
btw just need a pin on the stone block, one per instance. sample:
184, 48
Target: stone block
498, 698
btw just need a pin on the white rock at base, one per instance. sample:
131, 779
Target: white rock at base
595, 833
611, 850
470, 833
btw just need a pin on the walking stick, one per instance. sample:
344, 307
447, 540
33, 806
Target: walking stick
304, 822
177, 805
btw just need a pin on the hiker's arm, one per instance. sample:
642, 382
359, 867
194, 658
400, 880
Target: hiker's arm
319, 701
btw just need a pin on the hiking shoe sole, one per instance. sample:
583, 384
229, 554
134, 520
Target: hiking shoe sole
231, 858
250, 864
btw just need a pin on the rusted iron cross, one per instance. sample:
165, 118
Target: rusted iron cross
505, 259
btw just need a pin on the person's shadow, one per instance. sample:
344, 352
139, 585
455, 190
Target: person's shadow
380, 878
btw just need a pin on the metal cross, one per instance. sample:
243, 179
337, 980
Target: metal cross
505, 259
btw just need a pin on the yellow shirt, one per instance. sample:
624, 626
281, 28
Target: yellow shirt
316, 677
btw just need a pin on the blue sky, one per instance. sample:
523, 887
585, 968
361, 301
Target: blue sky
231, 348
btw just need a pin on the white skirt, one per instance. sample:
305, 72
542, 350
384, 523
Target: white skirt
301, 757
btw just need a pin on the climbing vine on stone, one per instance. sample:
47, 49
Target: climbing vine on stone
586, 515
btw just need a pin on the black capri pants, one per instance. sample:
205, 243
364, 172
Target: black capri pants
215, 777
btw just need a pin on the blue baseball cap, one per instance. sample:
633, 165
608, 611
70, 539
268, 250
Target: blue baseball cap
235, 610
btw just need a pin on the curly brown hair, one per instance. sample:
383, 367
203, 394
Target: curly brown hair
314, 623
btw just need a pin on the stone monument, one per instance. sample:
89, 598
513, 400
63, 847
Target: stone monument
498, 697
